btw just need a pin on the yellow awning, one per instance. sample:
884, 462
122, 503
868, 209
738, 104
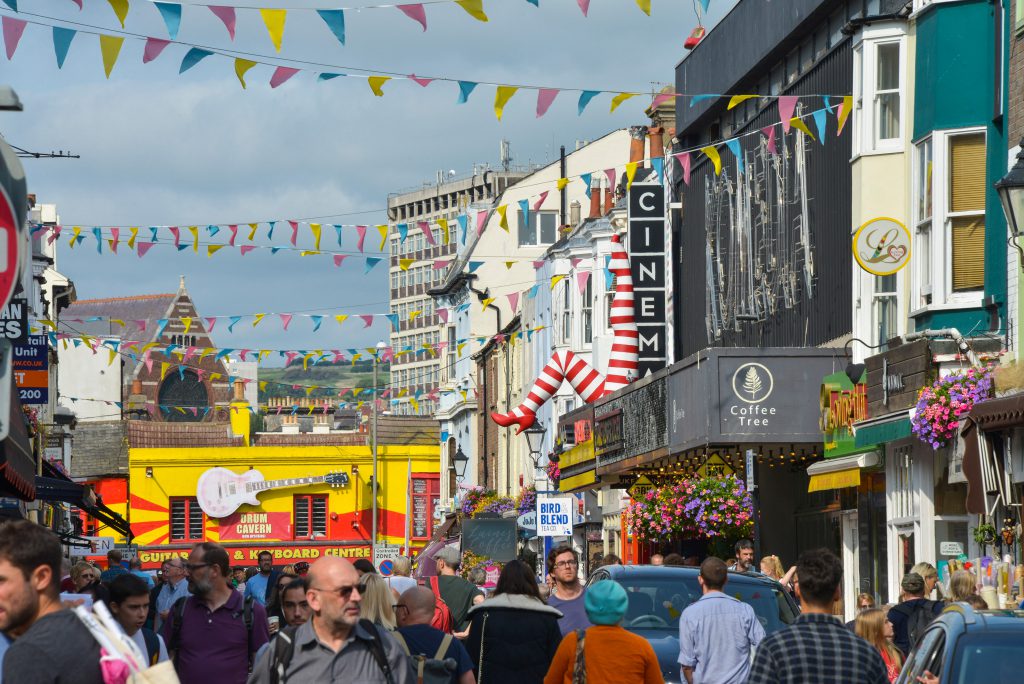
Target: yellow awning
836, 480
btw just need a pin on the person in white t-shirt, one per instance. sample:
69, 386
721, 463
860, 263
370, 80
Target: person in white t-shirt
129, 604
400, 581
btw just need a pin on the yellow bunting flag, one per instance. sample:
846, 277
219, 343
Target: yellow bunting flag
309, 390
163, 369
712, 153
305, 360
252, 231
799, 125
501, 99
215, 376
113, 355
213, 249
415, 404
274, 19
187, 322
413, 315
555, 280
383, 230
404, 264
110, 48
562, 182
135, 234
845, 113
619, 99
263, 385
502, 210
509, 265
487, 302
121, 323
315, 229
308, 252
376, 83
195, 238
356, 357
341, 318
264, 353
120, 8
739, 99
630, 173
257, 318
445, 237
644, 5
464, 394
49, 324
241, 67
475, 8
206, 352
75, 231
459, 347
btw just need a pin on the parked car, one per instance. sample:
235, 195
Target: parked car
966, 645
658, 595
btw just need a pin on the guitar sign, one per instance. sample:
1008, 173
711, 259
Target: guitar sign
220, 492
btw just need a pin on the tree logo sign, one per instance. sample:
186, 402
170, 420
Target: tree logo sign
753, 383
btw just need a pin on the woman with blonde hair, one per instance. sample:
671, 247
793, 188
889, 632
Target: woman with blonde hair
930, 574
771, 566
376, 605
961, 586
873, 626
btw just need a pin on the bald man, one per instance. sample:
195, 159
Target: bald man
414, 612
335, 645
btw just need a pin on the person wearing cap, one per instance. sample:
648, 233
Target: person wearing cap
459, 594
909, 617
610, 654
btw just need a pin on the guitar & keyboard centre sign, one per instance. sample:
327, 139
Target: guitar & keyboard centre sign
248, 555
256, 525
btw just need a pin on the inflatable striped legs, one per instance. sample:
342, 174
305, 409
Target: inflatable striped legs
624, 362
564, 365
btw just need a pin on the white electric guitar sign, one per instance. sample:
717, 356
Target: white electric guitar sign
221, 492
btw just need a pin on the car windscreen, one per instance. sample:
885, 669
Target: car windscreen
655, 603
997, 656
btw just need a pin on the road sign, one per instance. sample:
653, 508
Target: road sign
555, 516
641, 487
385, 552
30, 363
387, 568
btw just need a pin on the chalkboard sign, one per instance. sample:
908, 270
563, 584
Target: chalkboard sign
495, 539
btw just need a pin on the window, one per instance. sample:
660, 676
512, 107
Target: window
187, 520
967, 210
540, 231
878, 80
426, 497
566, 312
884, 310
923, 187
1018, 16
310, 515
887, 91
587, 311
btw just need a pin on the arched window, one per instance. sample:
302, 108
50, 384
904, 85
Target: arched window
184, 390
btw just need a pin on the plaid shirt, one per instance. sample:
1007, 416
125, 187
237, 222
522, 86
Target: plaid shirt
817, 648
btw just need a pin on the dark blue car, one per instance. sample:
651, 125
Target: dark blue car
658, 595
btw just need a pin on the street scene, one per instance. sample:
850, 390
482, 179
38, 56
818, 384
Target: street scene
483, 341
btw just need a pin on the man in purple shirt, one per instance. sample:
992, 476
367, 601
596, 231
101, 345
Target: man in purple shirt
213, 635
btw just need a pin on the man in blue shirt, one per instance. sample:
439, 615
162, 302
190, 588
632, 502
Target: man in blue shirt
717, 633
175, 587
135, 567
258, 585
414, 611
114, 567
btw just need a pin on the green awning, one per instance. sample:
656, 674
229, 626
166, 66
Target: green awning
879, 433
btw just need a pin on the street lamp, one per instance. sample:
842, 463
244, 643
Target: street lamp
1011, 193
534, 441
460, 461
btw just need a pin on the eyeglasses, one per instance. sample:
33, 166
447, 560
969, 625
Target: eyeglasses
345, 592
192, 567
567, 564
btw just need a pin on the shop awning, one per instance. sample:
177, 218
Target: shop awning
837, 473
17, 463
882, 430
56, 487
996, 414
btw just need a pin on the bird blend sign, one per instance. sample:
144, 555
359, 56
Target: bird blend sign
647, 264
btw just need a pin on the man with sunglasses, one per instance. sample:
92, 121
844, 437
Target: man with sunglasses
335, 645
213, 635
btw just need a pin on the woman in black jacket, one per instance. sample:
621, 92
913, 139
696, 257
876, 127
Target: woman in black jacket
514, 635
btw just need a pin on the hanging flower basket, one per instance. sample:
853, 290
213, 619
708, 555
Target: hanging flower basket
941, 406
527, 500
554, 473
703, 508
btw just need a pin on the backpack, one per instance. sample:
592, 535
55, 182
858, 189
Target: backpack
284, 648
436, 670
918, 619
152, 645
178, 612
442, 614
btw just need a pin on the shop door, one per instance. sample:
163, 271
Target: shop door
851, 563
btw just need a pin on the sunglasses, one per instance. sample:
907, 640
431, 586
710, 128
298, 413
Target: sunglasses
345, 592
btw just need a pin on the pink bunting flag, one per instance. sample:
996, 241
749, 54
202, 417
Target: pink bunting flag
769, 132
584, 6
78, 2
499, 338
210, 323
338, 357
289, 357
286, 319
282, 74
427, 232
545, 96
610, 173
540, 200
367, 320
227, 15
481, 220
189, 353
513, 301
243, 353
422, 82
414, 12
295, 231
141, 323
154, 46
575, 261
787, 105
115, 233
538, 264
361, 230
12, 29
54, 235
338, 258
177, 235
200, 372
234, 234
442, 313
581, 280
441, 264
684, 162
148, 360
143, 247
245, 249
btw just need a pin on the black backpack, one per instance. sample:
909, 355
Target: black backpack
152, 645
431, 670
284, 648
178, 614
918, 618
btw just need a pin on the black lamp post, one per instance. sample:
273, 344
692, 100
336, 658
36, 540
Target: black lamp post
1011, 193
460, 461
534, 440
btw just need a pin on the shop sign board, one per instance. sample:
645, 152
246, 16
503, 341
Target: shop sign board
493, 538
527, 521
152, 558
896, 376
646, 204
842, 403
255, 525
98, 546
30, 362
555, 516
14, 321
608, 432
640, 487
950, 548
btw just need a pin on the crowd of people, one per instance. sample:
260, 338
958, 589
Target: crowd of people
341, 621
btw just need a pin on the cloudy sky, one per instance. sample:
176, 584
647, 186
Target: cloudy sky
159, 148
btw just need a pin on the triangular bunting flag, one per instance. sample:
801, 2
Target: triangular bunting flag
474, 8
62, 38
241, 67
501, 98
171, 14
282, 74
787, 105
120, 8
275, 20
226, 15
712, 153
154, 46
13, 28
545, 96
193, 57
376, 83
335, 20
416, 13
619, 99
110, 48
738, 99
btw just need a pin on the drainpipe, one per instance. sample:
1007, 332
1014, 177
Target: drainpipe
563, 198
951, 333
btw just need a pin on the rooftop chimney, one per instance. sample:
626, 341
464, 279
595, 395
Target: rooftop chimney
575, 210
637, 143
595, 198
657, 134
609, 199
